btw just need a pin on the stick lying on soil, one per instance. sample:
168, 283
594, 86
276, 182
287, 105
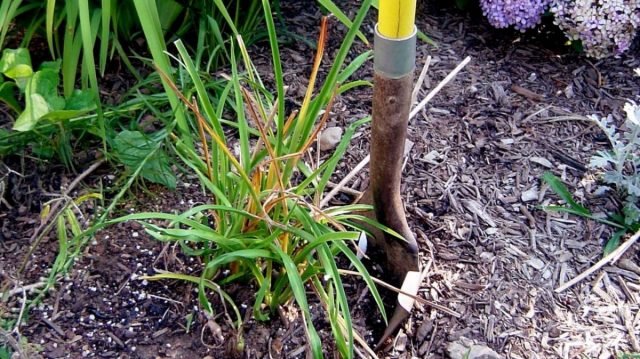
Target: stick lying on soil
397, 290
47, 223
611, 258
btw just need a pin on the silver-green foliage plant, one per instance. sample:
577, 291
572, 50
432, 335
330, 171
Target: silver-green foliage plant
621, 163
620, 166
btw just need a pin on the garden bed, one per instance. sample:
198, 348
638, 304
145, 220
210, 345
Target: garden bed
473, 192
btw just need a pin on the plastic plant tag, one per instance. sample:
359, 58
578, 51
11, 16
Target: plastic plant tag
362, 245
410, 285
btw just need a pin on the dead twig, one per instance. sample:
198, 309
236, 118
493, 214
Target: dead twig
347, 190
26, 288
420, 82
344, 181
399, 291
437, 89
611, 258
47, 223
526, 93
7, 338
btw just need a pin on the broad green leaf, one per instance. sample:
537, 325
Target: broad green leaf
132, 147
41, 98
7, 95
61, 115
171, 10
631, 214
80, 100
36, 108
51, 65
16, 65
45, 83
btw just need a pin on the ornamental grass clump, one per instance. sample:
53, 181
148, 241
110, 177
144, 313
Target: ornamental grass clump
263, 227
604, 27
521, 14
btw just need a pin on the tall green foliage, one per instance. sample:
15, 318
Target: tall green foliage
263, 224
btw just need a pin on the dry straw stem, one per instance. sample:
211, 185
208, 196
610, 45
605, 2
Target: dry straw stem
399, 291
344, 181
437, 89
420, 82
611, 258
8, 339
46, 224
413, 113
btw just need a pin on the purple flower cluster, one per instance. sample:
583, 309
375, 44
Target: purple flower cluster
521, 14
605, 27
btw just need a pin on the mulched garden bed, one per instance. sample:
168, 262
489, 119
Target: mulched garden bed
472, 189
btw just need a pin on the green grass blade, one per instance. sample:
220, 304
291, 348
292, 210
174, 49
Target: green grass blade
331, 269
104, 38
322, 99
201, 92
89, 62
278, 74
561, 190
243, 130
196, 280
150, 22
365, 276
71, 50
8, 10
301, 298
233, 256
355, 65
63, 244
337, 12
613, 242
582, 214
351, 85
51, 7
225, 14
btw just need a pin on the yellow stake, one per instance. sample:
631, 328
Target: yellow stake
396, 18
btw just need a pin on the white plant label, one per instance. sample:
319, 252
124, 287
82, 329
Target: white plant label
410, 285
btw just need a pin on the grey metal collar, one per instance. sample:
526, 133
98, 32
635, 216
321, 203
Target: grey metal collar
394, 58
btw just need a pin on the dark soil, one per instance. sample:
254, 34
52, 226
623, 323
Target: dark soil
480, 149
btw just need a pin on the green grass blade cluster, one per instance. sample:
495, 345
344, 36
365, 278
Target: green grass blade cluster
262, 225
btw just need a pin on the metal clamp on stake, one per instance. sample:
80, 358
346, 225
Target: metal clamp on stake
394, 58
